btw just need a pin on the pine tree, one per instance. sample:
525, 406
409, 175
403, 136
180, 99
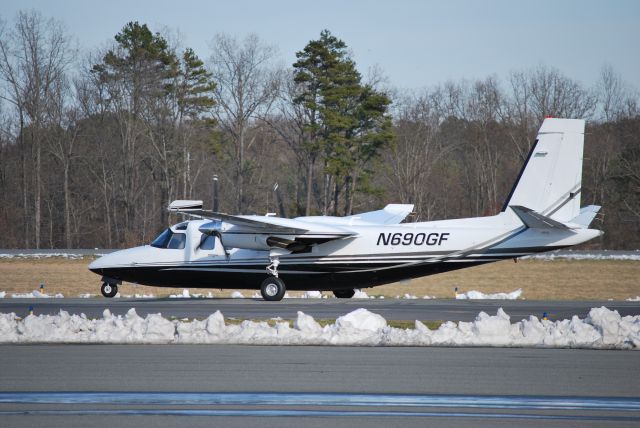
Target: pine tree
348, 123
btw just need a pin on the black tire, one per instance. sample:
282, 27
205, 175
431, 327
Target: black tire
344, 294
272, 289
109, 290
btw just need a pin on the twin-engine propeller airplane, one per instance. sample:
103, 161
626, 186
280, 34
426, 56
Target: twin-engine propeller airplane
340, 254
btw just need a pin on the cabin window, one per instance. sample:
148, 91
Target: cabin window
177, 241
208, 242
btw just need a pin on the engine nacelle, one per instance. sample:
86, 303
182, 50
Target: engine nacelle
212, 228
247, 241
234, 237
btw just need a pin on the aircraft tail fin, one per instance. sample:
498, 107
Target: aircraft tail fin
550, 180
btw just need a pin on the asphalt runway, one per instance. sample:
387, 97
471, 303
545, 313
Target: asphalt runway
391, 309
204, 385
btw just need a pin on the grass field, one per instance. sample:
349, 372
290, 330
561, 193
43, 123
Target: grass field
558, 279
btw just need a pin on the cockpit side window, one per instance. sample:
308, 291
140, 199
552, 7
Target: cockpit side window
168, 239
177, 241
163, 239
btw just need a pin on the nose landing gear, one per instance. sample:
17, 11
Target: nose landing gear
108, 289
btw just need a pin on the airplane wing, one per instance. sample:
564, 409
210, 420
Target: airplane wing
263, 224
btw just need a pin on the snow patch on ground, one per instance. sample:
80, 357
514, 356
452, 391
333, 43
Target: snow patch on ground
70, 256
185, 295
237, 295
601, 329
2, 294
35, 294
580, 255
473, 295
630, 299
209, 295
311, 295
141, 296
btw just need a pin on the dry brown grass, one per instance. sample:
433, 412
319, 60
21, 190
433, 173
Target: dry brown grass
559, 279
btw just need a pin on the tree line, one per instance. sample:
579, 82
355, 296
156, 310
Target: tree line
94, 146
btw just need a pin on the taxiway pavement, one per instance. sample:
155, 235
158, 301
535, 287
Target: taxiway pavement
488, 380
391, 309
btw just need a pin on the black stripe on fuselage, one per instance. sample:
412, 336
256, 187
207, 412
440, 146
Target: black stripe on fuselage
199, 278
297, 276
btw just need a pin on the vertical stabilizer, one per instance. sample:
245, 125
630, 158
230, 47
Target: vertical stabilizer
551, 178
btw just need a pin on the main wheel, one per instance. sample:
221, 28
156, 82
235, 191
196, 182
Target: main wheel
273, 289
109, 290
344, 294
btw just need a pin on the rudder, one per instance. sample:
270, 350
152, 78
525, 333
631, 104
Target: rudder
551, 179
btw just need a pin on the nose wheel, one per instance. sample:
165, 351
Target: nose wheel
273, 289
109, 290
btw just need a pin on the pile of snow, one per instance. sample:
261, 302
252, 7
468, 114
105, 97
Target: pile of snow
602, 329
35, 294
630, 299
361, 295
237, 295
2, 294
473, 295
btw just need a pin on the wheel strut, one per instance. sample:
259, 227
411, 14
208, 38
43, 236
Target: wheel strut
272, 268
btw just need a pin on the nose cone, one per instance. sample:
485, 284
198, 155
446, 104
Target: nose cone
97, 264
101, 263
117, 259
120, 259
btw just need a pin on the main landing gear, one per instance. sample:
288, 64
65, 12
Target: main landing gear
273, 288
109, 290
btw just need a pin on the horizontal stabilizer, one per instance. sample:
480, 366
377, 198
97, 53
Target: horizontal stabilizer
391, 214
586, 216
535, 220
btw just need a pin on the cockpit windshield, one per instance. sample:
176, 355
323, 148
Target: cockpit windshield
168, 239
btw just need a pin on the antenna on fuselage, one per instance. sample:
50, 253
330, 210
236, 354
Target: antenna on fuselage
281, 209
215, 194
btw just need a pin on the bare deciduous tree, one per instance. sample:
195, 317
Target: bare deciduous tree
34, 57
246, 89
